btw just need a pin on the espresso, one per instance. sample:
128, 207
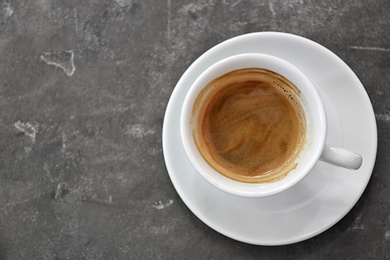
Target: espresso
249, 125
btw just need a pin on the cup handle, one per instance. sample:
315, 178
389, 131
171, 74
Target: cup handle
341, 157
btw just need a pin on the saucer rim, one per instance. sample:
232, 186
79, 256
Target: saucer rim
226, 231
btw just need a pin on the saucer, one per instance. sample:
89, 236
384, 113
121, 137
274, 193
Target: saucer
320, 200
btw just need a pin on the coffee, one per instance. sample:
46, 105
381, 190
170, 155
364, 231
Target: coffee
249, 125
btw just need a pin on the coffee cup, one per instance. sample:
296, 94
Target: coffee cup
254, 125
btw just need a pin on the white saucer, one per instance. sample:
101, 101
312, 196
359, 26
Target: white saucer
326, 195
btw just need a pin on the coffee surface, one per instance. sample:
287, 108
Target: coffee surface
250, 125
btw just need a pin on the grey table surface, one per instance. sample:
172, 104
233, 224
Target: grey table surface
83, 91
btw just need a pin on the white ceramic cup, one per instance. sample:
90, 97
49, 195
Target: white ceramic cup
314, 149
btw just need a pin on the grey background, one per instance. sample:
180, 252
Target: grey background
83, 90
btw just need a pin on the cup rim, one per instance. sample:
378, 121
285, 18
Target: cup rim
224, 183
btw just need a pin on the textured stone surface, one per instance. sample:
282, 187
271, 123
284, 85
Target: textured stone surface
83, 90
